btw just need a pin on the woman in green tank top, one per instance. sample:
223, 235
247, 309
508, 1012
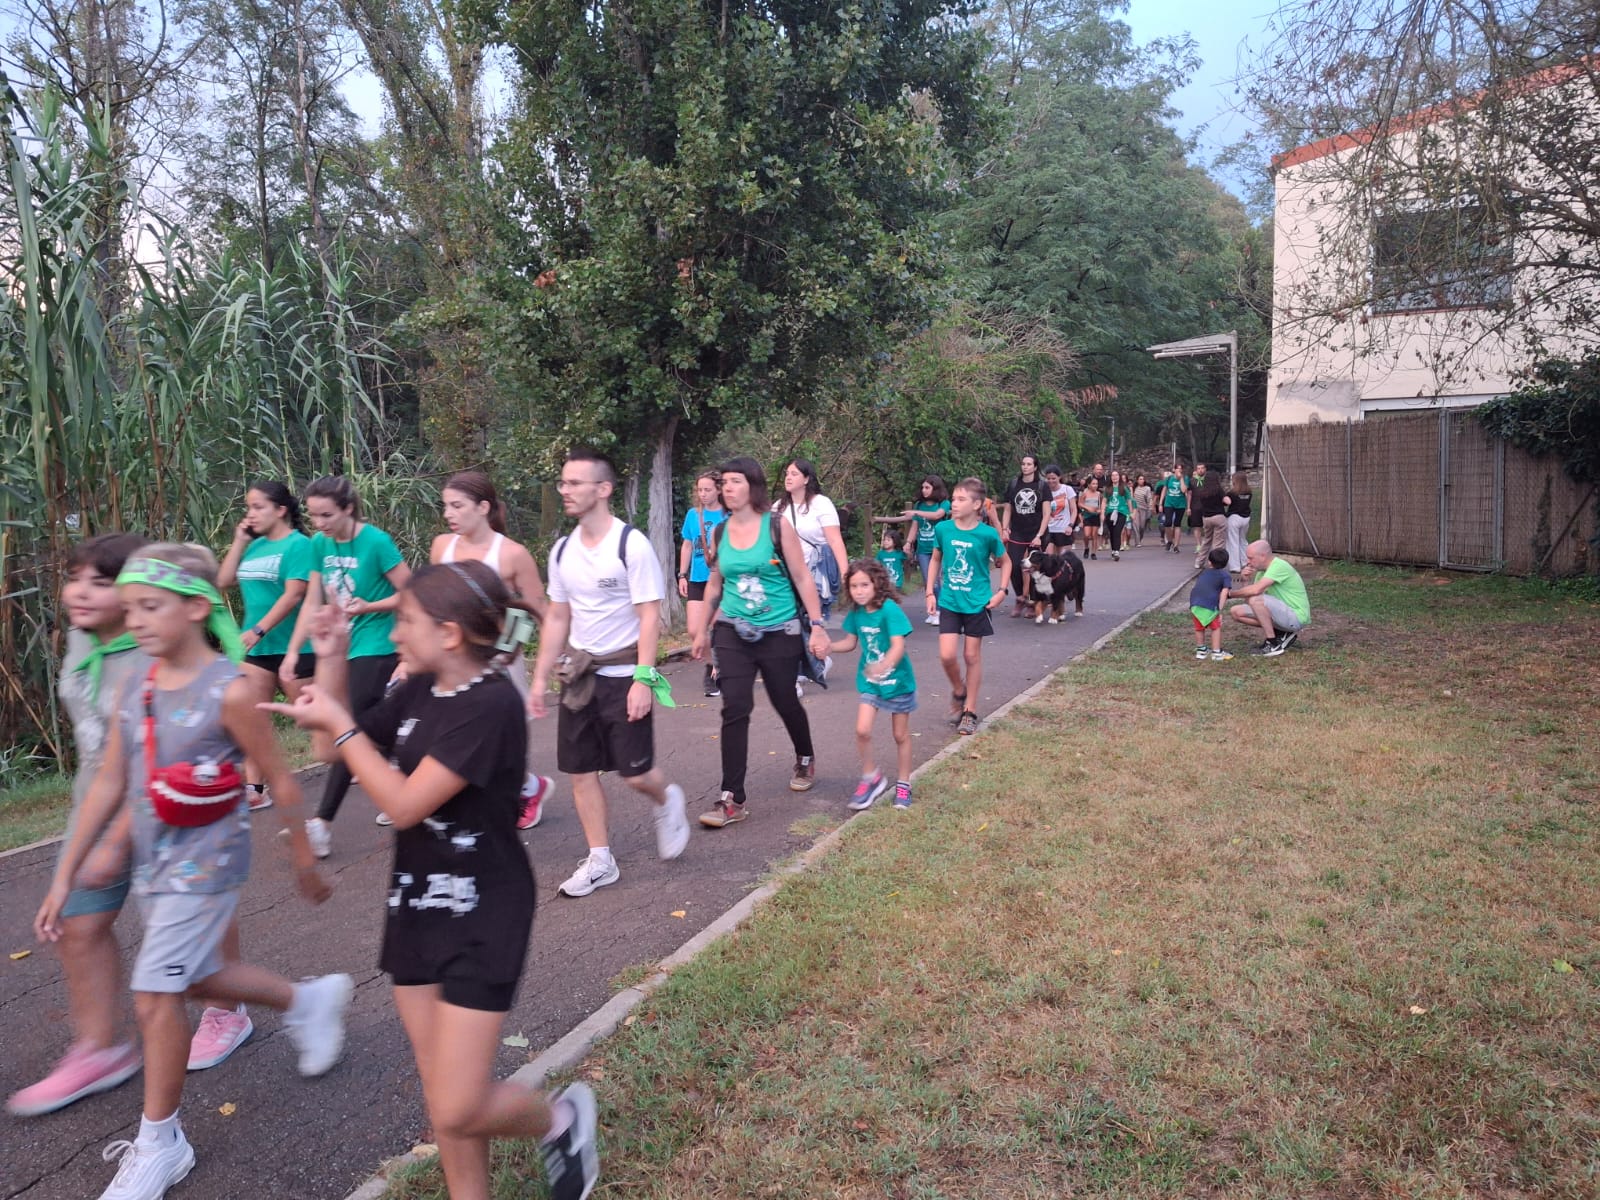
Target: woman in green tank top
760, 615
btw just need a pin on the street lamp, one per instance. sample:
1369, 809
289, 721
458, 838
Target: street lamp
1215, 343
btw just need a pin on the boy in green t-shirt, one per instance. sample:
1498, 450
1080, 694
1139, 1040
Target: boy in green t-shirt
884, 677
967, 553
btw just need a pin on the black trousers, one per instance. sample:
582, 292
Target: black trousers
1016, 552
776, 657
366, 680
1115, 523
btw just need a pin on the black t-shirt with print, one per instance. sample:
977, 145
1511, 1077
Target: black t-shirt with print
462, 888
1030, 502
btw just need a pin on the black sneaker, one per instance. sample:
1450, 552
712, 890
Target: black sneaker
1265, 648
1273, 647
1288, 639
572, 1161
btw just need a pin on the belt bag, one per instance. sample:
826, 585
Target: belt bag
186, 795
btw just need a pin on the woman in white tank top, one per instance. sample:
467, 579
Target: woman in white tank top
477, 521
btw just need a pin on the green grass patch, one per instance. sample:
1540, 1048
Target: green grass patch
1313, 926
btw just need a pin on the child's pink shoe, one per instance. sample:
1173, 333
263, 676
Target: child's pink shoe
221, 1032
81, 1072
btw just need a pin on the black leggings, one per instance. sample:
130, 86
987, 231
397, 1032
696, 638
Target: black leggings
777, 657
366, 678
1116, 522
1016, 552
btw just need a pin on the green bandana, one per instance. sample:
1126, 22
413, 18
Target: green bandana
94, 662
656, 682
152, 572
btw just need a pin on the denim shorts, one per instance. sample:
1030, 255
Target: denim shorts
84, 902
905, 702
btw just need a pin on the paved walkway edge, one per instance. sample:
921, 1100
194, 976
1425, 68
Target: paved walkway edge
573, 1048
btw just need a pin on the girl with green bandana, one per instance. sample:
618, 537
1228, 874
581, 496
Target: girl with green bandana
176, 737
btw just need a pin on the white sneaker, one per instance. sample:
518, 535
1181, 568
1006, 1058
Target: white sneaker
672, 825
320, 834
1039, 620
931, 619
592, 873
316, 1021
146, 1170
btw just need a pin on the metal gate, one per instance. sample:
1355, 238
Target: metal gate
1471, 494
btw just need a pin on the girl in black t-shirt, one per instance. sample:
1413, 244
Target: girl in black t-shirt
443, 755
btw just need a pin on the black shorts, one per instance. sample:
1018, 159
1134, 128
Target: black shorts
304, 668
1171, 518
1058, 539
697, 591
599, 736
1091, 520
973, 625
458, 987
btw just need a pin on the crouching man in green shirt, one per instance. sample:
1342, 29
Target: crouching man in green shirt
1275, 603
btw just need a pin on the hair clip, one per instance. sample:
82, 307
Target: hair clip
517, 631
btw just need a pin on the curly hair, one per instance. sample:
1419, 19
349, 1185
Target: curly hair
882, 586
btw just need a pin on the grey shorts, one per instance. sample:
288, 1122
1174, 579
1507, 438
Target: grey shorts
182, 939
1283, 618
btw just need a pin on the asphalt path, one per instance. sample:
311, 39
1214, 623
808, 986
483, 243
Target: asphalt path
295, 1139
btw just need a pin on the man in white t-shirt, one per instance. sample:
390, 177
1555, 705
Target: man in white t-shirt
605, 617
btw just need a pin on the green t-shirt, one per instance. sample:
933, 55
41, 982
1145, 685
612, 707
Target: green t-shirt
264, 570
1120, 499
925, 528
894, 562
965, 556
1289, 587
358, 570
1172, 492
877, 631
755, 585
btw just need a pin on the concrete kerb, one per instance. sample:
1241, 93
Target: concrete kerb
570, 1050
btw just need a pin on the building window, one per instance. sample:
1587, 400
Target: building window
1443, 258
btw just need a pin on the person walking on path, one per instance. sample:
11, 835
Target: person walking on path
931, 507
604, 624
102, 656
967, 565
357, 568
171, 762
1143, 508
476, 517
443, 755
884, 678
1174, 494
1119, 511
1091, 507
694, 566
767, 611
1237, 501
1063, 511
1022, 513
814, 517
270, 560
1275, 602
1196, 519
1207, 503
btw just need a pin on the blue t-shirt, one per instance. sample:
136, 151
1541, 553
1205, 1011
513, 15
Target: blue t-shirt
692, 533
1207, 590
876, 630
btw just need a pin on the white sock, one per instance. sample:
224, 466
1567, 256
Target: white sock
562, 1115
297, 1005
159, 1133
600, 853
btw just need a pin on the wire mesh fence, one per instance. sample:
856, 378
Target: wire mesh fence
1425, 489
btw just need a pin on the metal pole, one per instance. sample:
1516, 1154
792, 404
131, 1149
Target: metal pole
1233, 402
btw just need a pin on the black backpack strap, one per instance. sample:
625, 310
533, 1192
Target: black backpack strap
622, 546
561, 547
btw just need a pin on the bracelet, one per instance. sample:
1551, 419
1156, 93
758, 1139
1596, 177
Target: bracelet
259, 632
346, 736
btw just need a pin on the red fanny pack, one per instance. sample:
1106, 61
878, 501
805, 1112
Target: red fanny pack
185, 794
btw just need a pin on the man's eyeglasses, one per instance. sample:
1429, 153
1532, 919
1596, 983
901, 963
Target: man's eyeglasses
566, 485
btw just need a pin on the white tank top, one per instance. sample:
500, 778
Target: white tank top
490, 560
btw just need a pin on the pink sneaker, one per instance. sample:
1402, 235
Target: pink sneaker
534, 793
81, 1072
221, 1032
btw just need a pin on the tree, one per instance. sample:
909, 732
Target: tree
1461, 176
1091, 218
717, 210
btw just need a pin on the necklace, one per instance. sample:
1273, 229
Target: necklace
446, 693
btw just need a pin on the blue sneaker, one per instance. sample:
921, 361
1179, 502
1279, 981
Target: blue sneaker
868, 790
902, 794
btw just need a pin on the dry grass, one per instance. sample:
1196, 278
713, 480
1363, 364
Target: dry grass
1319, 926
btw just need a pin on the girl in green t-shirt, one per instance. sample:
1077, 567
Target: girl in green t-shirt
1119, 511
884, 679
921, 519
270, 560
358, 567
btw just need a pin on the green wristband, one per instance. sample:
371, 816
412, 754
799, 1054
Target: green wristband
658, 685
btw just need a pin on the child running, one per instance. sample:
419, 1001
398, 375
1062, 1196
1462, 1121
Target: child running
884, 677
968, 553
443, 755
171, 764
1206, 600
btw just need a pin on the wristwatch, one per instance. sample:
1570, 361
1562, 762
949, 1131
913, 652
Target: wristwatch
259, 632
